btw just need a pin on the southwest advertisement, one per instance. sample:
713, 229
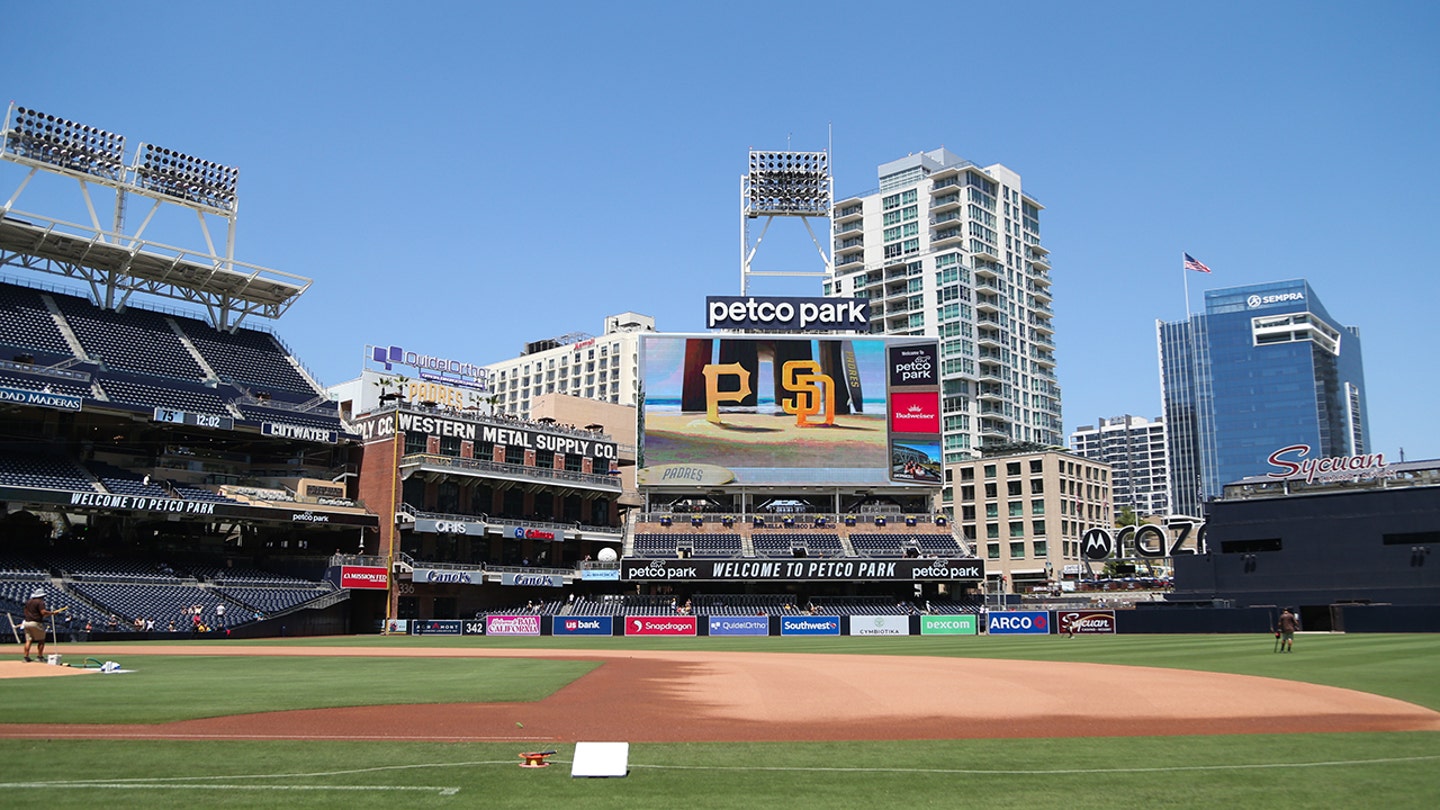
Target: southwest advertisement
751, 409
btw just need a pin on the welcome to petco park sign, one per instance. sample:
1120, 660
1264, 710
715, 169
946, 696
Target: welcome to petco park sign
908, 570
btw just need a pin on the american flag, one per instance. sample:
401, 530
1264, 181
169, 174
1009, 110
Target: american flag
1192, 263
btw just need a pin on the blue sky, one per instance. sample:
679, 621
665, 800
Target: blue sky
460, 178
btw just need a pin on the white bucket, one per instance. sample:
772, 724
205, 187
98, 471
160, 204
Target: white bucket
53, 659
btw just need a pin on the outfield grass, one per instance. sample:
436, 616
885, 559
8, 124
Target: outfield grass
1398, 770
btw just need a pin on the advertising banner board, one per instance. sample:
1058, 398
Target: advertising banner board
448, 576
963, 625
1088, 622
739, 625
660, 626
804, 570
1019, 623
364, 577
437, 627
879, 625
512, 625
809, 625
583, 626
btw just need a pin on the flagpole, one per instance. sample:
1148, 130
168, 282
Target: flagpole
1185, 274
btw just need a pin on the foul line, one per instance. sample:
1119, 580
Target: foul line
1050, 772
443, 791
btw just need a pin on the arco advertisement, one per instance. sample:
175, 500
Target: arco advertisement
1019, 623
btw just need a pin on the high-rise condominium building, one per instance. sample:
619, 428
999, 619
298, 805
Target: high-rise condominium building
1134, 447
949, 249
1265, 368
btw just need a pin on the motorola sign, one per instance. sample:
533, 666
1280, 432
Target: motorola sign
784, 314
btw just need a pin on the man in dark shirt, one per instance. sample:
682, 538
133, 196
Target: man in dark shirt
1289, 623
34, 624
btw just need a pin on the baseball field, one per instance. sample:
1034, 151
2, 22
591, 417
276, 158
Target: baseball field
1120, 721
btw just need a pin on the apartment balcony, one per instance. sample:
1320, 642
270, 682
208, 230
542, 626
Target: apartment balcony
1042, 339
987, 270
1042, 323
992, 318
854, 226
849, 212
989, 337
994, 429
945, 203
947, 237
993, 393
986, 285
987, 303
850, 258
948, 216
985, 251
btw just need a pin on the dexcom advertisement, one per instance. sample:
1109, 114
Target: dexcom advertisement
761, 406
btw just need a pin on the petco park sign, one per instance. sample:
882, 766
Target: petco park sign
911, 570
787, 314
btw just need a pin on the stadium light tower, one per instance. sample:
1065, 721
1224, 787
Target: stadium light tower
783, 184
117, 260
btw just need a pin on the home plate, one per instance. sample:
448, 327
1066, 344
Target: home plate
601, 759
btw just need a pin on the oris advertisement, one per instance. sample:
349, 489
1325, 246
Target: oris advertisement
1019, 623
1076, 622
660, 626
739, 625
583, 626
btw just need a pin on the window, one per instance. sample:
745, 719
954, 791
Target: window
989, 470
992, 510
967, 493
992, 551
1037, 527
1017, 550
1017, 528
1037, 466
1042, 548
1037, 486
990, 491
1012, 468
1017, 509
1037, 506
992, 531
967, 474
1013, 487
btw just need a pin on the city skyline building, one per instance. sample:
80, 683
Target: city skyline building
1265, 367
950, 249
604, 368
1135, 449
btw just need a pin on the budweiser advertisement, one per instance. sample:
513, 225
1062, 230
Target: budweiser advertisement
659, 625
361, 577
1075, 622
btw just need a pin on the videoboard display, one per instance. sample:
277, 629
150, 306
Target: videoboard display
853, 410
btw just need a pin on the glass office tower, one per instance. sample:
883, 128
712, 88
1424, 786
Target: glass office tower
1264, 368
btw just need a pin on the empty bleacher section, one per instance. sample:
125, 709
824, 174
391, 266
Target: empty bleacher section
655, 545
797, 544
146, 395
125, 482
141, 359
743, 604
136, 340
861, 606
254, 359
18, 469
26, 323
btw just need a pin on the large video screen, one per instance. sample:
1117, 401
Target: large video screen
772, 409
